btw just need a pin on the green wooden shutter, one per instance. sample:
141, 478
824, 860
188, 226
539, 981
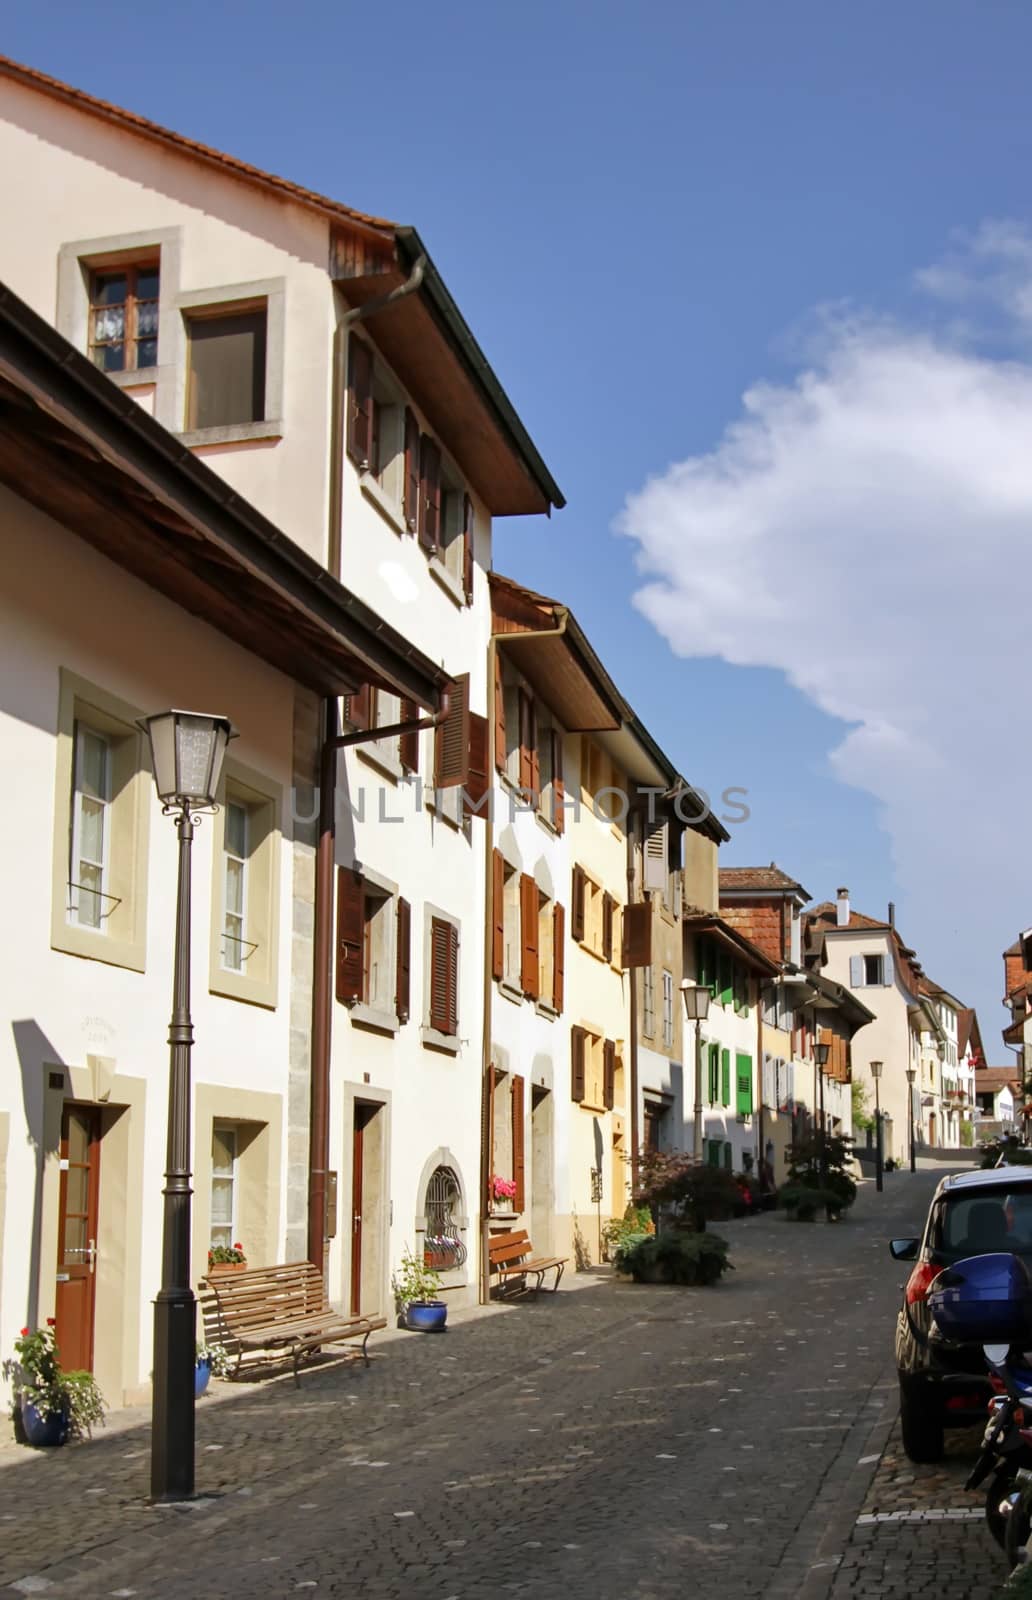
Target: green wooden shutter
725, 1077
714, 1074
744, 1093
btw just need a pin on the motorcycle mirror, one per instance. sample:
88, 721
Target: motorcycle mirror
996, 1354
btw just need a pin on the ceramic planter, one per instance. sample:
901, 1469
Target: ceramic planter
426, 1316
202, 1375
44, 1431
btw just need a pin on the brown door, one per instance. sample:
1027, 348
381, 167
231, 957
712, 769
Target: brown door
77, 1235
364, 1114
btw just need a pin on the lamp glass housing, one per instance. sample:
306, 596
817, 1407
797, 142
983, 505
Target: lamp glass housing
187, 752
696, 997
821, 1053
875, 1067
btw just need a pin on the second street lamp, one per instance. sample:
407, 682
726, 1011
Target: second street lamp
879, 1170
696, 997
911, 1075
187, 751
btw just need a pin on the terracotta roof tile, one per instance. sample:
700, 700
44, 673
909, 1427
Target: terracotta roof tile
770, 877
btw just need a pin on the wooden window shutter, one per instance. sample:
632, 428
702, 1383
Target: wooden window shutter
529, 975
558, 787
655, 875
577, 904
444, 954
359, 707
743, 1085
451, 739
608, 1074
519, 1199
360, 403
498, 915
608, 904
403, 995
350, 934
467, 548
408, 743
725, 1077
429, 493
501, 761
478, 778
578, 1044
637, 935
558, 956
412, 480
528, 752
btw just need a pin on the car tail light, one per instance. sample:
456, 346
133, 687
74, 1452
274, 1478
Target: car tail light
920, 1281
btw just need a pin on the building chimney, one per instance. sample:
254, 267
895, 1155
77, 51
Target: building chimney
892, 913
843, 908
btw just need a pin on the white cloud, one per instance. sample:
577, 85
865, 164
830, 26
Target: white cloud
864, 529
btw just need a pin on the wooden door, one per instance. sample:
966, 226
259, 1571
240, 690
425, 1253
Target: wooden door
77, 1235
363, 1116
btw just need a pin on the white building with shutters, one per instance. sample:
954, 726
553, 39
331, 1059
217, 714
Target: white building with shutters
313, 358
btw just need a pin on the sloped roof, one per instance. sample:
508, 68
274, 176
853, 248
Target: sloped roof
989, 1079
770, 877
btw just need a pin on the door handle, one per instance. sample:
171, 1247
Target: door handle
88, 1250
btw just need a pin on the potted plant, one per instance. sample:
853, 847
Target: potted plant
211, 1358
503, 1189
416, 1287
53, 1405
226, 1258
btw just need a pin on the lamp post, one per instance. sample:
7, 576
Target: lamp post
696, 997
911, 1075
879, 1170
187, 751
820, 1052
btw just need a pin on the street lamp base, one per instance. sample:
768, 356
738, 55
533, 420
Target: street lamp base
172, 1435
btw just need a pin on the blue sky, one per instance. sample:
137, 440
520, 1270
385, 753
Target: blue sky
640, 211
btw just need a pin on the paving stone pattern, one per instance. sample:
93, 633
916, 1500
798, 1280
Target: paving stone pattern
613, 1442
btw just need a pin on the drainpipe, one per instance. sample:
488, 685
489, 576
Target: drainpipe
761, 1151
486, 1064
338, 421
322, 983
632, 972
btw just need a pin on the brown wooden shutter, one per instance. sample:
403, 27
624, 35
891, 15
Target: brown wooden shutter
558, 955
402, 999
451, 739
359, 708
578, 1044
467, 548
429, 493
637, 934
411, 485
608, 1074
350, 934
499, 702
408, 743
558, 787
360, 403
529, 975
527, 751
497, 915
577, 904
478, 781
444, 964
518, 1140
607, 925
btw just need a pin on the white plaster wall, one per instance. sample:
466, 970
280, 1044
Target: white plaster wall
886, 1039
724, 1027
65, 605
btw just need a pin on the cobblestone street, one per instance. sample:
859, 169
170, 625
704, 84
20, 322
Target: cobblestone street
614, 1441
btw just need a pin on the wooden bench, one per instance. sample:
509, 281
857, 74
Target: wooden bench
266, 1312
512, 1256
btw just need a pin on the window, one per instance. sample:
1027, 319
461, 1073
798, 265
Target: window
235, 852
597, 1071
226, 367
90, 830
245, 888
714, 1075
123, 325
223, 1185
872, 970
668, 1010
102, 805
648, 1003
511, 908
441, 980
373, 949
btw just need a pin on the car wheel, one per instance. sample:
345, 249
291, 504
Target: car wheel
921, 1424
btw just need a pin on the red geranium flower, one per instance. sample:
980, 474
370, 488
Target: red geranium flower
51, 1322
25, 1333
238, 1247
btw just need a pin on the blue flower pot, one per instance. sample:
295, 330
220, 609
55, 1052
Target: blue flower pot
202, 1375
428, 1317
51, 1430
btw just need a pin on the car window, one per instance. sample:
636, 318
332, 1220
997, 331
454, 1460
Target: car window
975, 1224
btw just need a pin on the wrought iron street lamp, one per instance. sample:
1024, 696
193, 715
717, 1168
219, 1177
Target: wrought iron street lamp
187, 751
696, 997
879, 1168
821, 1052
911, 1075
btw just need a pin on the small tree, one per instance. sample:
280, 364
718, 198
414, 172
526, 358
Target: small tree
692, 1189
820, 1161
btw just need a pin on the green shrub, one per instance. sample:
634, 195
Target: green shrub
804, 1200
685, 1258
